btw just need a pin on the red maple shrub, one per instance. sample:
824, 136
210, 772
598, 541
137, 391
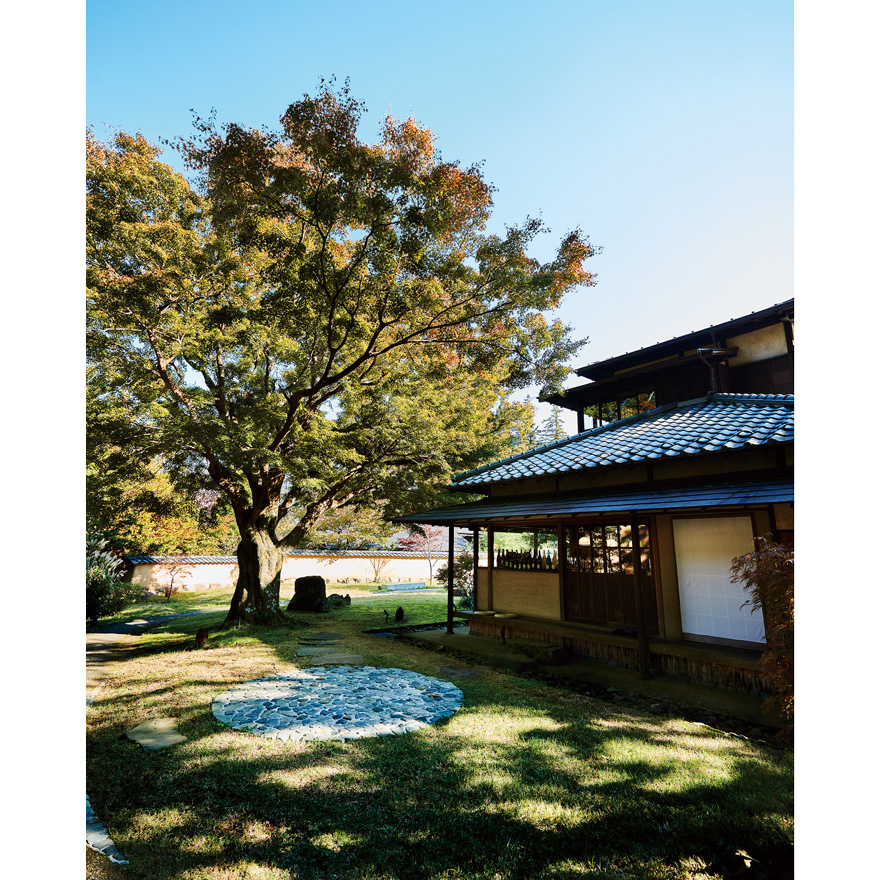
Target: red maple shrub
768, 576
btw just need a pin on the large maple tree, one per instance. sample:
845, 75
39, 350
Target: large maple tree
314, 322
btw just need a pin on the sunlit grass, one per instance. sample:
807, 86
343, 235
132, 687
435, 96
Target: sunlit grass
525, 781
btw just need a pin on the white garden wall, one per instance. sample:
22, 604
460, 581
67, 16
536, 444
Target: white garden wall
153, 573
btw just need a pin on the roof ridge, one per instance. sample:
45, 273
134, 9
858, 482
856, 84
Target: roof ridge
738, 397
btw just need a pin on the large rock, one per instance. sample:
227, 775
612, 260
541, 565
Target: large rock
309, 594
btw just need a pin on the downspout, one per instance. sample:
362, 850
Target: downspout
715, 383
713, 371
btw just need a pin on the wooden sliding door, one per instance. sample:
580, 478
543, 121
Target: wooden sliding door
600, 581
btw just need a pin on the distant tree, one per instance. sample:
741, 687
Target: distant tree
462, 577
431, 540
324, 321
550, 430
175, 569
378, 566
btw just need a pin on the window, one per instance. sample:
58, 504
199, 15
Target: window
600, 575
523, 549
621, 408
711, 606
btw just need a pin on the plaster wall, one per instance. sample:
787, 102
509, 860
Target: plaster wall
758, 345
196, 576
481, 600
665, 552
154, 577
533, 593
338, 569
784, 514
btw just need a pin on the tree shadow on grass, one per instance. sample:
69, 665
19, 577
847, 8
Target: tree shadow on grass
572, 795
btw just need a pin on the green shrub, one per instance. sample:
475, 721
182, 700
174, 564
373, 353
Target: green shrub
462, 578
106, 593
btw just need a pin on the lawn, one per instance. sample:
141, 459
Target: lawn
150, 607
525, 781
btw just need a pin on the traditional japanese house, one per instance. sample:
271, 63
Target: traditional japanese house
617, 542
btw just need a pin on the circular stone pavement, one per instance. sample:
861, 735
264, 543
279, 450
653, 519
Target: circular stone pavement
337, 703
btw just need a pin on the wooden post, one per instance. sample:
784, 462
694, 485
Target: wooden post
644, 656
580, 418
490, 542
449, 581
476, 563
560, 568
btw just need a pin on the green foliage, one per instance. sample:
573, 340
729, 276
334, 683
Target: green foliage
351, 528
105, 592
324, 323
768, 576
462, 578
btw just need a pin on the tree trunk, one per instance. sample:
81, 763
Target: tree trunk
256, 598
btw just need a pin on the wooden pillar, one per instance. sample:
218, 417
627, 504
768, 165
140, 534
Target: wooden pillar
490, 546
450, 577
476, 562
644, 655
560, 568
580, 418
774, 531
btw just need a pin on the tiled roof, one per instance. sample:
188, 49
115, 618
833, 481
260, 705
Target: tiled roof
714, 423
187, 560
646, 497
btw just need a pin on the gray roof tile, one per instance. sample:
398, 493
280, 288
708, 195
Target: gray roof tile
711, 424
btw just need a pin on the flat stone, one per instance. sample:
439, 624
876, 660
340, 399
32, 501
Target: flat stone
338, 701
339, 659
511, 662
320, 637
457, 672
160, 733
314, 652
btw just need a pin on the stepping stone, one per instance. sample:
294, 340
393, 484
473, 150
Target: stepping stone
458, 672
313, 652
321, 637
338, 660
511, 662
160, 733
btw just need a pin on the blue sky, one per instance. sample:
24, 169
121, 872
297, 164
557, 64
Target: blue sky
663, 130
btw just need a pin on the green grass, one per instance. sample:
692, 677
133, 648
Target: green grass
208, 600
525, 781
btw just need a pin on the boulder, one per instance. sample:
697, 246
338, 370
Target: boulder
309, 594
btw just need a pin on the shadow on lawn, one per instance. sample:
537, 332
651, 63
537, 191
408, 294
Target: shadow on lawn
572, 792
574, 795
